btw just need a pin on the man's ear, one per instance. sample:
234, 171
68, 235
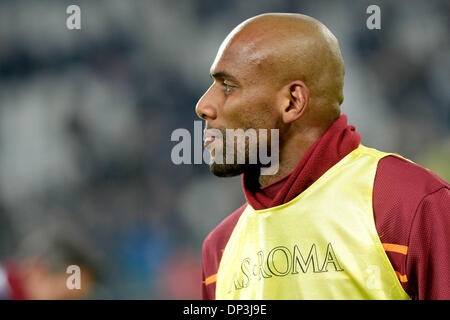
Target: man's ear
296, 100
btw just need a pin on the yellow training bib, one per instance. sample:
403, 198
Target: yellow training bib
321, 245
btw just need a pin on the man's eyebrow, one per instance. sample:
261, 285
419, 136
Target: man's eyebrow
222, 75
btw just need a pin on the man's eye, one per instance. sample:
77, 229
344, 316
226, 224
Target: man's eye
228, 87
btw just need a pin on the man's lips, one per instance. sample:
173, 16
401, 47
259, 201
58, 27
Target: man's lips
208, 140
210, 135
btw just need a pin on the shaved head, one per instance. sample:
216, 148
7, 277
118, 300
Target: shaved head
276, 71
283, 47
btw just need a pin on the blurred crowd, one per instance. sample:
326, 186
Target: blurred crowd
86, 116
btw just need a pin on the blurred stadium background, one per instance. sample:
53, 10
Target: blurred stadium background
86, 117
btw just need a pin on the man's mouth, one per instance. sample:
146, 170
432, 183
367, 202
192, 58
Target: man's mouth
208, 136
208, 140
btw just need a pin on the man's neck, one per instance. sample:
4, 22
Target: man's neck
291, 152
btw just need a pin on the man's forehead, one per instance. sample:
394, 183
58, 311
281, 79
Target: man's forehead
238, 55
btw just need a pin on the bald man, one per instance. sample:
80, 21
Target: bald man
337, 220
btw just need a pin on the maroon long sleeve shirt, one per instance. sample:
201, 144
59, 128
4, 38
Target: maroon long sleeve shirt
411, 211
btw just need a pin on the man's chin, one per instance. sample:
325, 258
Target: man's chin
232, 170
227, 170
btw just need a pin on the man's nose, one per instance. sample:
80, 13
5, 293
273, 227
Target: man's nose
206, 107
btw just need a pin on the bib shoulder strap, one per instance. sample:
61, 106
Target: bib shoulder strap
379, 154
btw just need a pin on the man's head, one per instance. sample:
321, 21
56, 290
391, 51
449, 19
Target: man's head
274, 71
